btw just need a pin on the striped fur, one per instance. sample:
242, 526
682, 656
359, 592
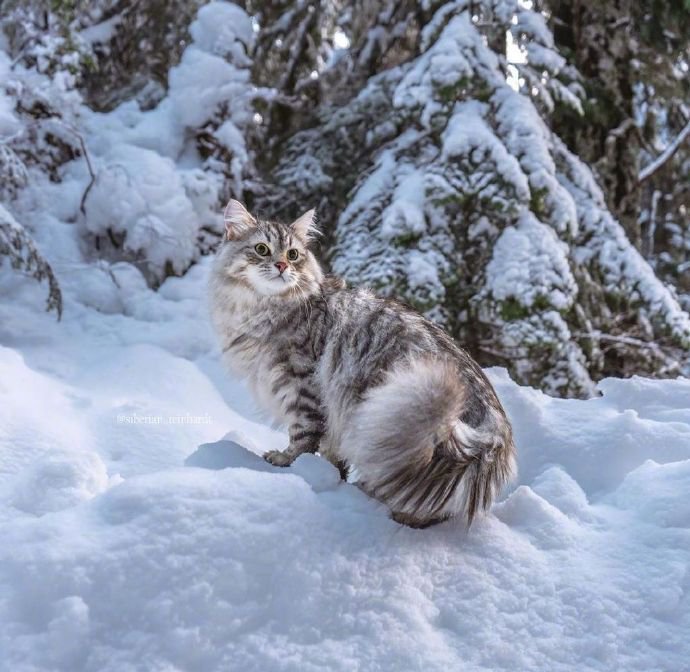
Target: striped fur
365, 381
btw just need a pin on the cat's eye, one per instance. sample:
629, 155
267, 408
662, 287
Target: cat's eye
293, 254
262, 249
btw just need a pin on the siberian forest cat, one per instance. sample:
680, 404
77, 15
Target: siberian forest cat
365, 381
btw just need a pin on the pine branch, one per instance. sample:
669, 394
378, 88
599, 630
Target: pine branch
17, 245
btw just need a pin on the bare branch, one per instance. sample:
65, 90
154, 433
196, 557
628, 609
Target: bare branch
87, 158
665, 156
630, 341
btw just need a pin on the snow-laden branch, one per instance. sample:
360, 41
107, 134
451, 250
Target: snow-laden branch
665, 156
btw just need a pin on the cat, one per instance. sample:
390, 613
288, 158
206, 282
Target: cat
366, 381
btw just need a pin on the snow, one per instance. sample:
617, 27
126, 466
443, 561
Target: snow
224, 29
141, 194
538, 65
403, 217
141, 529
214, 68
527, 137
101, 32
9, 124
468, 134
405, 214
199, 83
443, 68
529, 262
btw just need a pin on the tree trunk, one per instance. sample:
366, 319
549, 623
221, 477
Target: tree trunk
598, 38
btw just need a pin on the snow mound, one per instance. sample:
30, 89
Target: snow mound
118, 557
154, 196
141, 195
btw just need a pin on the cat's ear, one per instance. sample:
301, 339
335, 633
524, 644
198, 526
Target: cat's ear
304, 227
237, 220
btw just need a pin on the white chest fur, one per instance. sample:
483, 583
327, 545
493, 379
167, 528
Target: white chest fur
243, 334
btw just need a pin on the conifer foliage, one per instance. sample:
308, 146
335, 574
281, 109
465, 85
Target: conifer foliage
434, 138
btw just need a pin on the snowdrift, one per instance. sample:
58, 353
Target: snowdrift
142, 531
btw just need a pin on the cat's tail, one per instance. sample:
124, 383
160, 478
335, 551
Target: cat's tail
413, 452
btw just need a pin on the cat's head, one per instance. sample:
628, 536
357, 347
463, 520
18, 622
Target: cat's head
269, 258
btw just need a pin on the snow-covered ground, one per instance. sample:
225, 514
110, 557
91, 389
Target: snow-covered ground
126, 546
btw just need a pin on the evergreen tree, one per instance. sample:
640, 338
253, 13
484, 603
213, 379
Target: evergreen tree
468, 206
444, 172
634, 60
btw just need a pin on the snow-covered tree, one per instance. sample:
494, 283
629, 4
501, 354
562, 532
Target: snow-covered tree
634, 60
158, 166
39, 102
163, 172
435, 138
472, 209
17, 246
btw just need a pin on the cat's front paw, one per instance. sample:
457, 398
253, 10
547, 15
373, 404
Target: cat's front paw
278, 458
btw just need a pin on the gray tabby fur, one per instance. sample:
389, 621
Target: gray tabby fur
364, 380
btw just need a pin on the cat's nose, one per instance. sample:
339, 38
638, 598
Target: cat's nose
281, 266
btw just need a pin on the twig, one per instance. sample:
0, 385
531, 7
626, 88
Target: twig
91, 173
625, 340
651, 225
294, 51
665, 156
20, 53
87, 158
626, 126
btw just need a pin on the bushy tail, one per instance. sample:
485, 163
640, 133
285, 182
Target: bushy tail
413, 453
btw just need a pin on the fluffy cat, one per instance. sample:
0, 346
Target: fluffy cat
364, 380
